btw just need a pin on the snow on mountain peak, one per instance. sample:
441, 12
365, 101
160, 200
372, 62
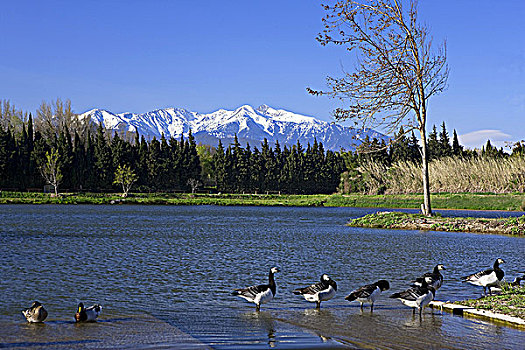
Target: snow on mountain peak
249, 124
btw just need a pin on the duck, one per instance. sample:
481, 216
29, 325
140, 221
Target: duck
434, 278
488, 278
321, 291
89, 314
36, 313
416, 297
369, 293
260, 294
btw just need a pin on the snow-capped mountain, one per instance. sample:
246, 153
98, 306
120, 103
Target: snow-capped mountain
249, 124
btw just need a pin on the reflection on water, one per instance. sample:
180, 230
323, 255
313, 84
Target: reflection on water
164, 275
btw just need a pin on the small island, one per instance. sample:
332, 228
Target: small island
406, 221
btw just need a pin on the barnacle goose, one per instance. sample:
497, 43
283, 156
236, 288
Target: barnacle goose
434, 278
89, 314
517, 281
488, 278
321, 291
417, 296
36, 313
260, 294
369, 293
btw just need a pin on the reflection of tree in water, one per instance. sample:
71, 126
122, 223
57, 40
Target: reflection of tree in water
262, 320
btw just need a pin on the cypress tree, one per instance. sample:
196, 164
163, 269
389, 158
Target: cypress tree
103, 160
433, 145
153, 164
219, 167
445, 150
457, 149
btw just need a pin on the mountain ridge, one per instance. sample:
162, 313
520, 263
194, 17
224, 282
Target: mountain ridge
249, 124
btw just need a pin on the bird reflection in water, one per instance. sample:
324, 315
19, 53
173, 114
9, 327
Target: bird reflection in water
264, 321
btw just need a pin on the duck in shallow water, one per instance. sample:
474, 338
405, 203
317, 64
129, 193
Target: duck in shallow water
36, 313
89, 314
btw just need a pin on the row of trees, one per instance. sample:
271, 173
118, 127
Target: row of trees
290, 170
90, 161
81, 156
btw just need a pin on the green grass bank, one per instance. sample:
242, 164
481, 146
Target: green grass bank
473, 201
398, 220
511, 301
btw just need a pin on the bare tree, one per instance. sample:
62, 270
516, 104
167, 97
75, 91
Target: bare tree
51, 118
398, 69
50, 170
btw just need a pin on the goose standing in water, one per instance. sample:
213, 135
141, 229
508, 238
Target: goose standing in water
434, 278
260, 294
320, 291
36, 313
369, 293
87, 315
417, 296
488, 278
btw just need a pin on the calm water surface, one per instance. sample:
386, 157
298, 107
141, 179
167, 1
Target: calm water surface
163, 275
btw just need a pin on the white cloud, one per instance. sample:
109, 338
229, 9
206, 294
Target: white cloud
478, 139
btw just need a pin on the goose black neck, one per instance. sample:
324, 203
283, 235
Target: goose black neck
271, 281
436, 270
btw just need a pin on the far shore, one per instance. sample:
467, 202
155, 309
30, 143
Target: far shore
456, 201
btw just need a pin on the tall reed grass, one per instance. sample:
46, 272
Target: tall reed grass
455, 175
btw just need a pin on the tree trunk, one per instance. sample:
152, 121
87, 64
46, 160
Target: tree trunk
425, 208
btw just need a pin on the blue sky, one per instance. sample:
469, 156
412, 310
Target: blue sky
204, 55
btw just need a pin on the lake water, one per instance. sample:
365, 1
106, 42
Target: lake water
164, 274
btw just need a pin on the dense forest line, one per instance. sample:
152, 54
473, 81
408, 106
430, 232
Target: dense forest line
89, 158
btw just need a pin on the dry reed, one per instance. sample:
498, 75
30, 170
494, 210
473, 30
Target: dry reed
455, 175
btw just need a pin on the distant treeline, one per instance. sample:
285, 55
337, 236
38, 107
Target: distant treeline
89, 155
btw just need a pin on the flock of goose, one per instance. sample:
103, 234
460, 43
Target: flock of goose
421, 292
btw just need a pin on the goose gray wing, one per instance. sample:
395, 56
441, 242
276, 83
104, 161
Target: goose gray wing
314, 288
477, 275
252, 291
362, 292
410, 294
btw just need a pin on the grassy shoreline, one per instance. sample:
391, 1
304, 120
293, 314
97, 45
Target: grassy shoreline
399, 220
511, 302
472, 201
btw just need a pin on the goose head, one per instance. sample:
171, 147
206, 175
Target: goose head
383, 285
440, 267
35, 305
498, 261
274, 270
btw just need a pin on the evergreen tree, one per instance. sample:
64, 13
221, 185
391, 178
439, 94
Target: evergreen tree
219, 159
103, 160
400, 149
415, 149
153, 164
457, 149
445, 150
433, 145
